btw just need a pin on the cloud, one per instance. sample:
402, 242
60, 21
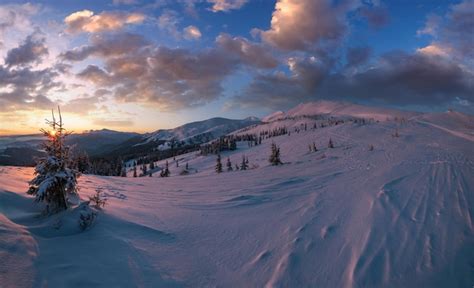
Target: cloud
304, 24
169, 21
114, 123
82, 105
191, 33
434, 50
226, 5
452, 32
95, 75
86, 21
279, 90
250, 53
164, 77
136, 71
106, 45
431, 25
24, 89
17, 16
397, 79
30, 51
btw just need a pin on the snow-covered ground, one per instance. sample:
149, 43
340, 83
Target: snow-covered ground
401, 215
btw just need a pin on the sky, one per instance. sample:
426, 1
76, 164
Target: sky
138, 65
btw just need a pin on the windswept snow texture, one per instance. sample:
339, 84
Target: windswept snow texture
398, 216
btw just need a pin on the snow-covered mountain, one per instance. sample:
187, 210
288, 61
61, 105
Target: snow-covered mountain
380, 209
206, 129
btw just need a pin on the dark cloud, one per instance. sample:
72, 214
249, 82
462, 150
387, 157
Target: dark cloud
279, 90
250, 53
397, 79
26, 87
30, 51
356, 56
164, 77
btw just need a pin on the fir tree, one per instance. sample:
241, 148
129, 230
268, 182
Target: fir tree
218, 167
134, 171
187, 166
54, 183
275, 155
314, 147
243, 165
330, 144
229, 164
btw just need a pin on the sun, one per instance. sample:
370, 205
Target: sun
52, 133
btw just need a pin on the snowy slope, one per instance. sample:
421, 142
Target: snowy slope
401, 215
338, 108
213, 128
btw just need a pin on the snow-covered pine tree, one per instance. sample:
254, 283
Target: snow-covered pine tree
166, 171
275, 155
218, 164
145, 169
124, 171
229, 165
55, 182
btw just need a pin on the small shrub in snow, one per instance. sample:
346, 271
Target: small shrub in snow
97, 199
330, 144
396, 135
371, 148
86, 217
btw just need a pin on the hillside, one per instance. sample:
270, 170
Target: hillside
401, 215
338, 108
201, 131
